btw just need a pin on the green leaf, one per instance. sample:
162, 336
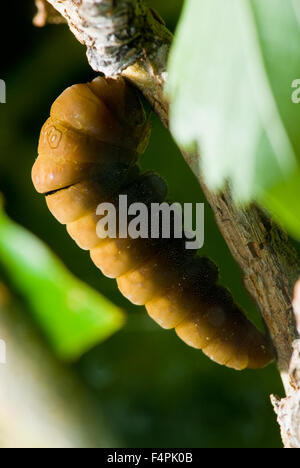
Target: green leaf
72, 315
231, 71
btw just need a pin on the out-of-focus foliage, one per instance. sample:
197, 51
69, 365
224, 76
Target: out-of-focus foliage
43, 404
154, 390
72, 315
231, 73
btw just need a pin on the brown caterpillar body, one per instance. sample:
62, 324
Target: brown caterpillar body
87, 154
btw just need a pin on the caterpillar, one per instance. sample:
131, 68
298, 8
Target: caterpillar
87, 154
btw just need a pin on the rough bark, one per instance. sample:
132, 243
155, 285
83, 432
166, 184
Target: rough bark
124, 36
288, 409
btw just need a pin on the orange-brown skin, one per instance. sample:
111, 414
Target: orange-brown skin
87, 154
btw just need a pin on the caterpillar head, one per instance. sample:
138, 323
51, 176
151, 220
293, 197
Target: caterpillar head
92, 127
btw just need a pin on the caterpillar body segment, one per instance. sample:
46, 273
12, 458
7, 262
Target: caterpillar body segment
88, 151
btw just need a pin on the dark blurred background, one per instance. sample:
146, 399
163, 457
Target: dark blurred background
151, 389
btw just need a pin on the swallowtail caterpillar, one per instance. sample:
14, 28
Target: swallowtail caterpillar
88, 151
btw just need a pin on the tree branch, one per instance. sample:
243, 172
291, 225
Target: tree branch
288, 409
124, 36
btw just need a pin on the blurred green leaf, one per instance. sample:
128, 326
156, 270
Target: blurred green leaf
73, 316
231, 73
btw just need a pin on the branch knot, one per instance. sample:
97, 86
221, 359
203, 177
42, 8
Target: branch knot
117, 34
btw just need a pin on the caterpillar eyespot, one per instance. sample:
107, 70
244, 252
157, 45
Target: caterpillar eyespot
88, 149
